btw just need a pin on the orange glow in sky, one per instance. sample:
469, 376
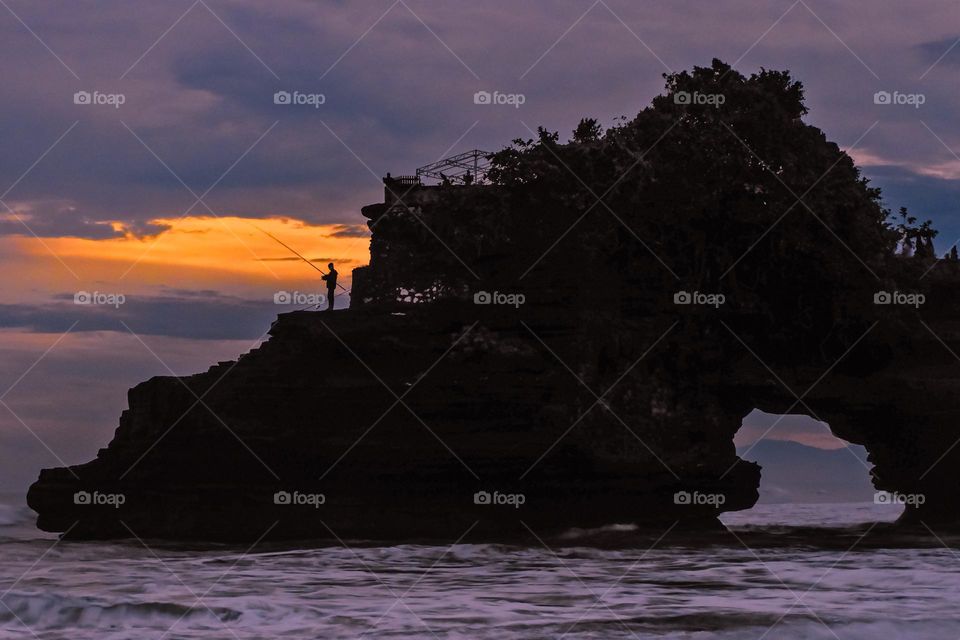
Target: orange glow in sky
228, 254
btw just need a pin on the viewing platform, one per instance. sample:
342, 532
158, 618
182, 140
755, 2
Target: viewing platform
464, 169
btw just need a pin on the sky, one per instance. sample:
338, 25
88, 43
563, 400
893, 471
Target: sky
144, 144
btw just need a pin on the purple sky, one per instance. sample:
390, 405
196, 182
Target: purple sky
198, 80
399, 79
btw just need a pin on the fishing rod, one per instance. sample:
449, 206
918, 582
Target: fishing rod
293, 251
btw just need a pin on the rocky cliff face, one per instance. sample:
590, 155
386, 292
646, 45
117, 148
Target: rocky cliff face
400, 420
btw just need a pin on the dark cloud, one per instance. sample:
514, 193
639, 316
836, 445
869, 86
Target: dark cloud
48, 220
46, 225
400, 98
945, 50
201, 315
927, 197
295, 259
350, 231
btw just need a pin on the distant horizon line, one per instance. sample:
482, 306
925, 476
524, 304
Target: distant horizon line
797, 442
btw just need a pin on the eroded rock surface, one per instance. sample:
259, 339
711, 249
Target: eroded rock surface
398, 420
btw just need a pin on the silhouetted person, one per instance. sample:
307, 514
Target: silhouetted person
468, 179
331, 280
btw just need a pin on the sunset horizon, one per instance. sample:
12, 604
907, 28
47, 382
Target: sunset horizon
396, 318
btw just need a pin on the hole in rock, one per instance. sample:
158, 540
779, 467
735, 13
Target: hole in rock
809, 476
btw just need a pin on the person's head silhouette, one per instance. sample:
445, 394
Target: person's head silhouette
330, 266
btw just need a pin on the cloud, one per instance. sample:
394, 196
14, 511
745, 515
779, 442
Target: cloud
943, 51
758, 425
198, 315
401, 97
944, 170
63, 219
319, 260
350, 231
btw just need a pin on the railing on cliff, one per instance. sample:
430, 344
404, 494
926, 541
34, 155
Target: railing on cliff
468, 167
404, 181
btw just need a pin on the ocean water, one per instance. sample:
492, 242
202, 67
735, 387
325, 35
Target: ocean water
785, 571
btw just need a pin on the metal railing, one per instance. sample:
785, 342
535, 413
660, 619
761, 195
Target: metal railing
406, 181
456, 168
